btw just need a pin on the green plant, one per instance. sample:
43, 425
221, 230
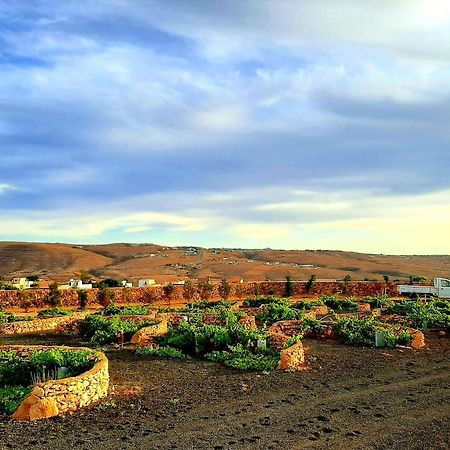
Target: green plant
11, 397
310, 283
54, 312
105, 296
128, 310
188, 290
205, 289
240, 358
379, 301
224, 289
54, 295
335, 303
104, 330
289, 287
82, 298
167, 352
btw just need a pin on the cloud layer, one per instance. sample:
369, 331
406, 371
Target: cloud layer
313, 124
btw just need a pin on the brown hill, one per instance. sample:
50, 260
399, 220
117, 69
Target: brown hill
134, 261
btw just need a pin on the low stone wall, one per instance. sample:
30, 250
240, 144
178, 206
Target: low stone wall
50, 398
418, 338
146, 336
292, 359
39, 325
69, 297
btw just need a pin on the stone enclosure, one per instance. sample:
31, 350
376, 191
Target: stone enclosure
53, 397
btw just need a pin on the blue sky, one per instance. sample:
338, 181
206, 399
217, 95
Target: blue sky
321, 124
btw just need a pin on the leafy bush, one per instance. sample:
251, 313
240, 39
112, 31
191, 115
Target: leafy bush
11, 397
17, 371
259, 300
307, 304
113, 310
435, 313
353, 330
54, 312
241, 358
167, 352
6, 317
102, 330
378, 301
335, 303
280, 310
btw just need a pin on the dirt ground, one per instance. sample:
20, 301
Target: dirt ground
351, 398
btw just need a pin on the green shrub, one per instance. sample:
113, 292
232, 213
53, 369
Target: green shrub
241, 358
379, 301
17, 371
11, 397
166, 352
54, 312
102, 330
335, 303
113, 310
6, 317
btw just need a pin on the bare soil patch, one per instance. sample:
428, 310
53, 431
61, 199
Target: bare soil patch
352, 398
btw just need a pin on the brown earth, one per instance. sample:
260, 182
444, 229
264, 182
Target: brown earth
351, 398
132, 261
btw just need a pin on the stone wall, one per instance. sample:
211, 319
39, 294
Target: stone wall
54, 397
38, 298
146, 336
40, 325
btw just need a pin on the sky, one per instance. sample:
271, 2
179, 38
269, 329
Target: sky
296, 124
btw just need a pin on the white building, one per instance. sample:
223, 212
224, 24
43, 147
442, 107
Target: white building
146, 282
126, 284
78, 284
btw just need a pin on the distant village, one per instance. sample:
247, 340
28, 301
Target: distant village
34, 282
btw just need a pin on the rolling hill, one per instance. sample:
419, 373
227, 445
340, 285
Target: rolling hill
133, 261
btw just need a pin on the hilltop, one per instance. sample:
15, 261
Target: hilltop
133, 261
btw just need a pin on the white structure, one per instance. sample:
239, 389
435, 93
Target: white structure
146, 283
22, 283
78, 284
126, 284
440, 289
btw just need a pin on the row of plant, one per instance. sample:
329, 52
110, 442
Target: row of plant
424, 314
355, 330
229, 342
101, 330
18, 374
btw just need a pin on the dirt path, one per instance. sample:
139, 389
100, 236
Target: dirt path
352, 398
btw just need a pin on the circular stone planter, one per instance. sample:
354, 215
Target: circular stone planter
53, 397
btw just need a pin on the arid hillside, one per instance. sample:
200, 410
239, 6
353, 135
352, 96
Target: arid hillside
134, 261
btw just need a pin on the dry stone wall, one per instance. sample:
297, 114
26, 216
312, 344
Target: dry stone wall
39, 298
54, 397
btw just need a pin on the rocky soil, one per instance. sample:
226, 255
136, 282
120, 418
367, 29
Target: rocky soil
350, 398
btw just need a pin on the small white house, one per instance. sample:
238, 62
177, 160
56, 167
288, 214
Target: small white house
22, 283
78, 284
125, 283
146, 282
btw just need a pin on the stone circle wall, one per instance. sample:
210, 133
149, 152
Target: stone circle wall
53, 397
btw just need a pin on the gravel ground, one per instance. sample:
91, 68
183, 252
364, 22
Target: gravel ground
350, 398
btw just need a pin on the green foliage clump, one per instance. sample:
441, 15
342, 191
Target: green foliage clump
289, 287
423, 315
7, 317
353, 330
17, 371
259, 300
113, 310
241, 358
164, 351
54, 312
340, 304
11, 397
280, 310
307, 304
103, 330
379, 301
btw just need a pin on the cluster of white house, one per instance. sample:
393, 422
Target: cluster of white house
24, 283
